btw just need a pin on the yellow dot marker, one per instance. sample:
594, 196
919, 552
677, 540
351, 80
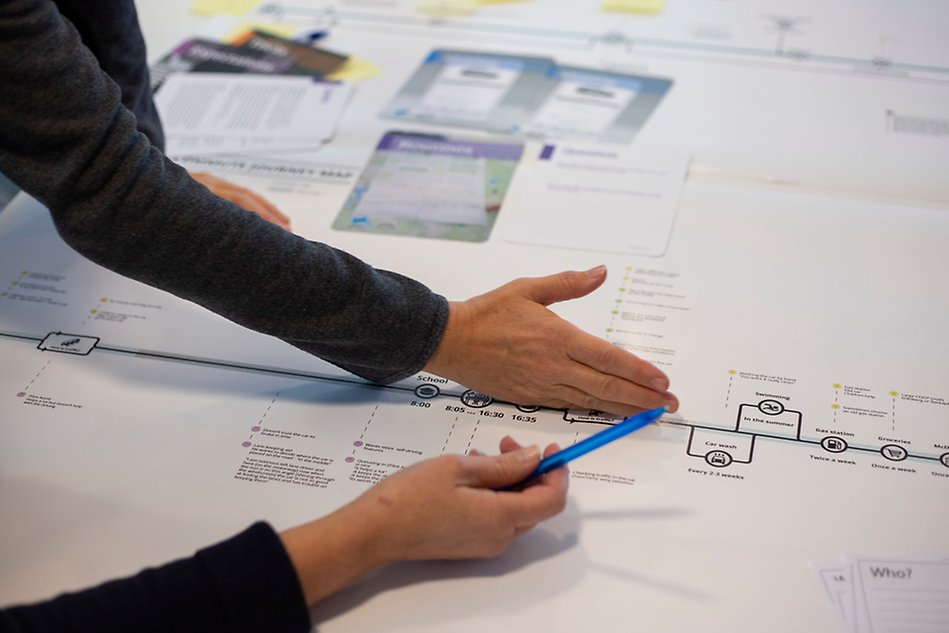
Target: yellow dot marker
103, 299
732, 372
836, 385
92, 311
645, 7
835, 406
894, 393
447, 7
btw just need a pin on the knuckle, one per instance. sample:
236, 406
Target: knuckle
568, 280
517, 285
589, 401
453, 463
652, 400
499, 544
611, 388
602, 354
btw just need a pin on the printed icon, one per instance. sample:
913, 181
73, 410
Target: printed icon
427, 390
523, 408
771, 407
833, 444
944, 458
893, 452
718, 459
589, 416
475, 399
68, 343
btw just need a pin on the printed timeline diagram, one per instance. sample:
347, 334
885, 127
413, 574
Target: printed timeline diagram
859, 420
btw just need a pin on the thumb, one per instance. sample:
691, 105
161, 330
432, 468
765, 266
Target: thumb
501, 470
566, 285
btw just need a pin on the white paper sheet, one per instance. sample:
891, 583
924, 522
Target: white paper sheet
901, 596
597, 197
888, 595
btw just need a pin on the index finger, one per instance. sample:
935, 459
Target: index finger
610, 359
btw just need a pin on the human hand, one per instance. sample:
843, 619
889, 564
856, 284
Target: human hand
507, 344
242, 197
442, 508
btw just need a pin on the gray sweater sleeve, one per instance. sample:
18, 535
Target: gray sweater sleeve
110, 30
67, 140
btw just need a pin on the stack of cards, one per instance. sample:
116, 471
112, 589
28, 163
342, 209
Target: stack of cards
528, 96
888, 595
253, 52
222, 112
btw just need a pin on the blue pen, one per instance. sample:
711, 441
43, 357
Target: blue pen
308, 37
558, 459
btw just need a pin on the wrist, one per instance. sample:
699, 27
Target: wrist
442, 360
332, 552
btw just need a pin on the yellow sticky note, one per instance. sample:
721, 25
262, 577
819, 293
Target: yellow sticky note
447, 7
223, 7
355, 69
648, 7
280, 30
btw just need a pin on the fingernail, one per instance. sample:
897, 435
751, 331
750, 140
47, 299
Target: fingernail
671, 404
659, 384
597, 272
528, 454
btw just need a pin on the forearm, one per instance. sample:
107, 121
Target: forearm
243, 584
67, 140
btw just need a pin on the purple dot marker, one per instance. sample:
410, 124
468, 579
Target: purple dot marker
350, 460
21, 394
245, 444
357, 443
255, 428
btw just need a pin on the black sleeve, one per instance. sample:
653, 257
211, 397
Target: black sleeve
244, 584
67, 140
